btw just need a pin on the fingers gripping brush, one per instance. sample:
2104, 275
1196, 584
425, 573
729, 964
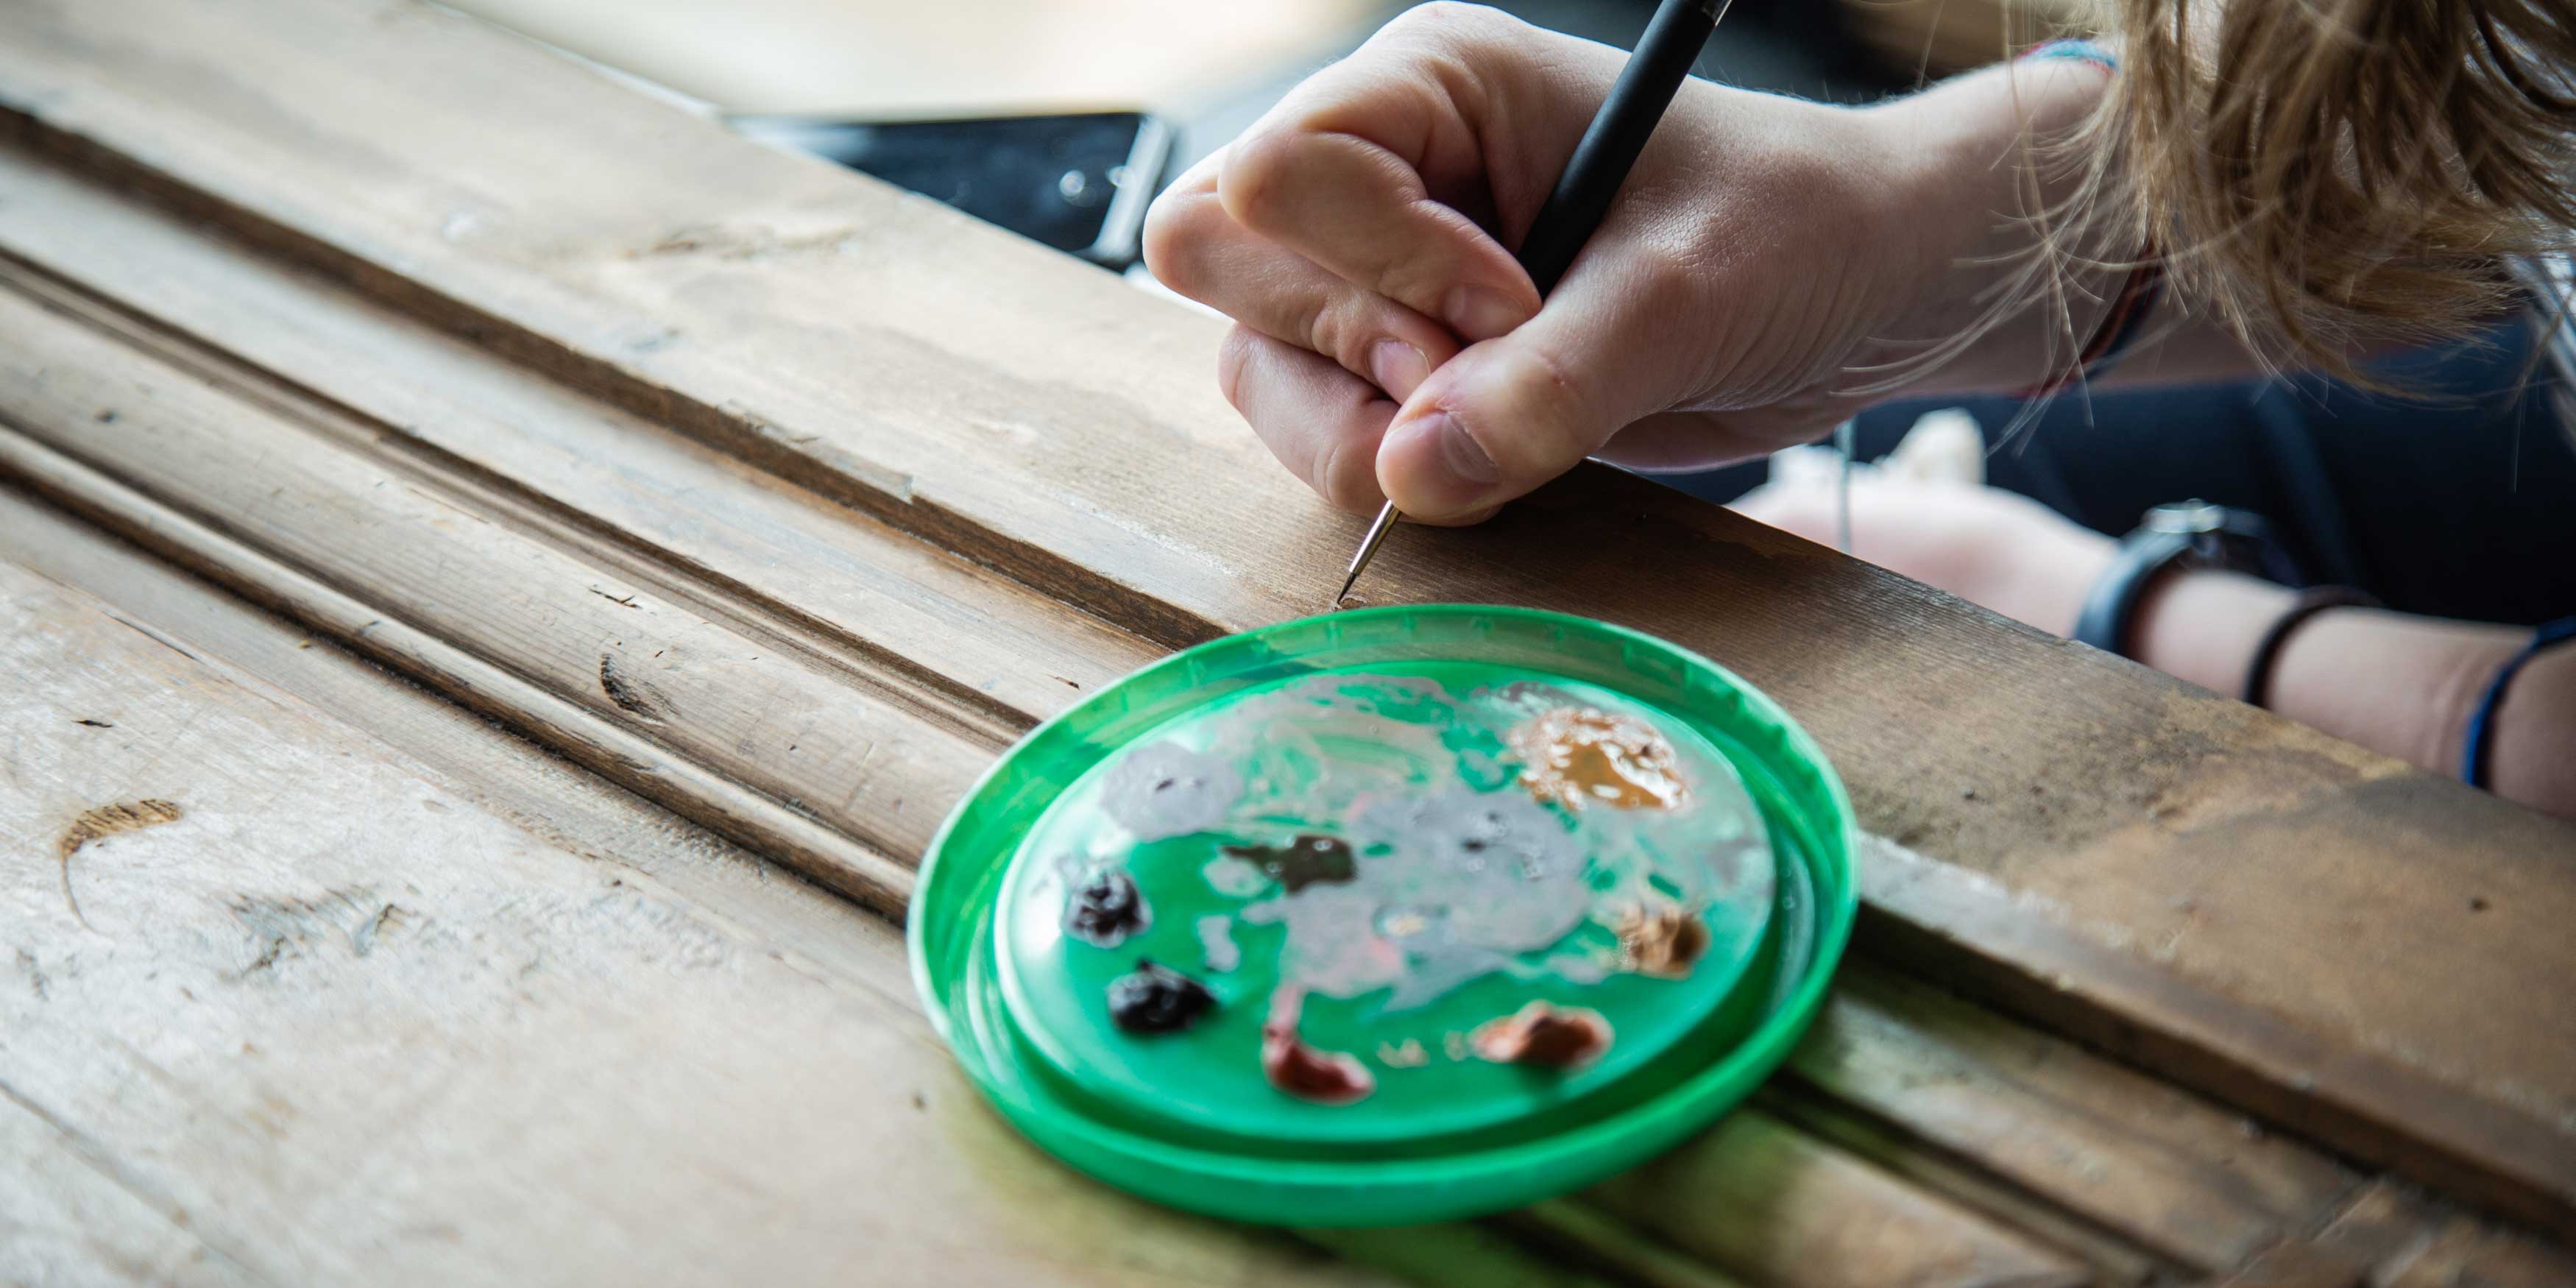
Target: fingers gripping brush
1594, 174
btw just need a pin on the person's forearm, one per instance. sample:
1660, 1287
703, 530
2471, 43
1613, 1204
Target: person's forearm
1968, 149
2424, 677
1981, 169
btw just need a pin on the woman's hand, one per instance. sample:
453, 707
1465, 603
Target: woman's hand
1986, 545
1389, 346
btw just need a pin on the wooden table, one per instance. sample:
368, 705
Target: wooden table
502, 579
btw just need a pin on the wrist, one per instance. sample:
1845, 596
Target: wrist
2203, 625
2430, 675
1970, 165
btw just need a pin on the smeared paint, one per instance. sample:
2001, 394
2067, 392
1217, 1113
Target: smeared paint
1165, 789
1411, 840
1105, 908
1157, 999
1228, 875
1325, 1077
1301, 862
1662, 939
1544, 1036
1216, 943
1467, 881
1407, 1054
1582, 756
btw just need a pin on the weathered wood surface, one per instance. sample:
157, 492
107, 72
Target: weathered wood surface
592, 1041
487, 372
338, 1023
2252, 907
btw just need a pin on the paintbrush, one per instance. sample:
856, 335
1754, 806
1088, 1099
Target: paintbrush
1592, 177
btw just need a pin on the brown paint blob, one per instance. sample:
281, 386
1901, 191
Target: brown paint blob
1308, 860
1578, 756
1664, 940
1545, 1036
1325, 1077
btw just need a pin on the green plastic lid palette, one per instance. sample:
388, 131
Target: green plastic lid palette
1387, 916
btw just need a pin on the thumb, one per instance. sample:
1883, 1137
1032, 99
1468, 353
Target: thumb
1501, 418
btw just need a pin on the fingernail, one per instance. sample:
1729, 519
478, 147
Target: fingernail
1398, 368
1454, 472
1480, 312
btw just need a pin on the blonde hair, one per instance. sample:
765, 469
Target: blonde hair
2323, 173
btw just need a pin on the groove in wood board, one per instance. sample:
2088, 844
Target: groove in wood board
2411, 1242
868, 768
1764, 1201
672, 503
604, 746
817, 938
2157, 1166
977, 418
1584, 1232
2011, 950
357, 1029
1451, 1256
74, 1215
2060, 1221
968, 713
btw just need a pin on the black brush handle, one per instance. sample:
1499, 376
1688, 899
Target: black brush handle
1617, 134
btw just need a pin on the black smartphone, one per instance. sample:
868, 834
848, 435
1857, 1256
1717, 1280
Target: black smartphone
1078, 182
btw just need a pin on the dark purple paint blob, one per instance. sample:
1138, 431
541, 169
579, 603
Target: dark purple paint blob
1308, 860
1106, 908
1157, 999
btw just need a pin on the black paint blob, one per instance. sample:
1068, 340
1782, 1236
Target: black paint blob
1157, 999
1105, 909
1302, 862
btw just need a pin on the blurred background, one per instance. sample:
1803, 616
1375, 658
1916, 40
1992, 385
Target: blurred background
1074, 103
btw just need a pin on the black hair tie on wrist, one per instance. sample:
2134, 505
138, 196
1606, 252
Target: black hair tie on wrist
2312, 601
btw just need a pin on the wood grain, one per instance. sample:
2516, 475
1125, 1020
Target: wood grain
339, 1024
638, 663
2260, 911
641, 498
1981, 1074
2162, 1169
886, 58
1769, 1203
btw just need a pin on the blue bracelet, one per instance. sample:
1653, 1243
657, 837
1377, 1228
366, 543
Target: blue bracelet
2473, 758
2079, 51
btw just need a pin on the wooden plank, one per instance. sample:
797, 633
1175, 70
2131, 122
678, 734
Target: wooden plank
1831, 1191
347, 1025
886, 58
980, 420
2155, 1165
651, 502
1962, 1058
1762, 1200
439, 392
744, 712
776, 921
2412, 1242
64, 1217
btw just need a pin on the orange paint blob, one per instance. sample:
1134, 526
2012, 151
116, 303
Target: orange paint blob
1579, 756
1546, 1036
1664, 940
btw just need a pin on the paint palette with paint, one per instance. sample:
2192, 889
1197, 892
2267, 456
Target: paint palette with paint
1355, 911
